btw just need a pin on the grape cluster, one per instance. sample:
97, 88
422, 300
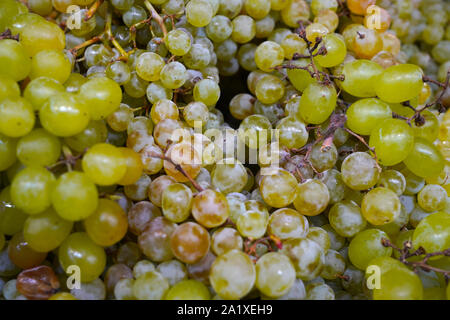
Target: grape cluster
132, 154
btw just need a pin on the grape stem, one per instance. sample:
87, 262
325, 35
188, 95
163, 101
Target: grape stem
156, 16
301, 31
7, 34
177, 166
110, 37
93, 9
405, 254
250, 245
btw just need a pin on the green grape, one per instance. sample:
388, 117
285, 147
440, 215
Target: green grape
223, 271
15, 62
149, 66
269, 55
219, 29
393, 180
121, 118
269, 89
188, 290
178, 42
279, 188
252, 129
335, 51
164, 109
226, 50
7, 152
51, 64
173, 75
40, 89
318, 5
95, 132
196, 113
122, 5
64, 115
103, 95
42, 35
295, 11
399, 83
46, 231
346, 219
177, 6
433, 232
143, 267
360, 78
134, 15
292, 132
275, 274
253, 221
301, 79
198, 57
432, 198
38, 148
292, 44
8, 88
287, 223
12, 219
155, 240
430, 129
207, 91
119, 72
228, 176
31, 189
319, 291
8, 11
336, 186
334, 265
246, 56
199, 13
397, 282
78, 249
104, 164
226, 239
323, 159
176, 202
257, 9
380, 206
365, 114
393, 141
136, 87
306, 255
317, 103
16, 117
311, 198
74, 83
425, 160
366, 246
244, 29
123, 290
74, 196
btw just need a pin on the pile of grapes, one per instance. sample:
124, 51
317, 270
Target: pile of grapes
224, 149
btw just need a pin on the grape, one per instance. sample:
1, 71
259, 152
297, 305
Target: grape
335, 51
78, 249
190, 242
226, 239
366, 246
424, 160
317, 103
40, 89
210, 208
380, 206
104, 164
244, 29
108, 224
207, 91
360, 171
123, 290
287, 223
295, 11
278, 189
51, 64
178, 42
365, 114
346, 219
64, 115
319, 291
12, 219
199, 13
138, 191
31, 189
103, 95
253, 221
198, 57
95, 132
177, 202
22, 255
232, 275
16, 117
360, 78
196, 114
432, 198
74, 196
15, 62
7, 152
42, 35
150, 286
393, 180
269, 89
38, 148
306, 255
269, 55
275, 274
311, 197
432, 233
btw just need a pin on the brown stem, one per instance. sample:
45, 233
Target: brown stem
85, 44
7, 34
156, 16
93, 9
357, 136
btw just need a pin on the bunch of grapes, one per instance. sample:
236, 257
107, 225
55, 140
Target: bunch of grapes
224, 149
